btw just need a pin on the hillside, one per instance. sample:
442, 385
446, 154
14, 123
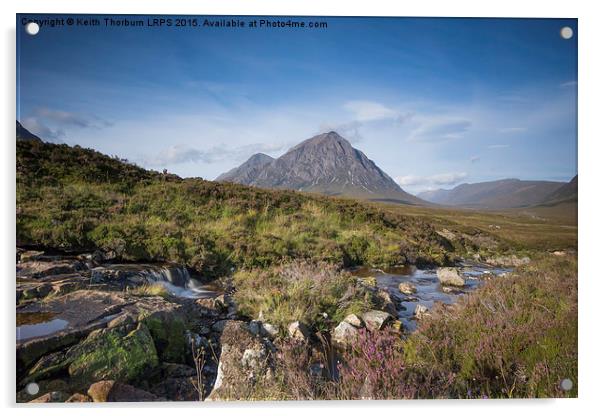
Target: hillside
76, 199
501, 194
325, 164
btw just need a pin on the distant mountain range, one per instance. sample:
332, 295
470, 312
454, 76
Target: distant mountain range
326, 164
26, 135
505, 193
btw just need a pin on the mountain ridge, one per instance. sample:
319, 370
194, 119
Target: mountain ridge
499, 194
327, 164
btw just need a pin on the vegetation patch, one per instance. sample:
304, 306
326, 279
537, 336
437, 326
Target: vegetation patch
301, 291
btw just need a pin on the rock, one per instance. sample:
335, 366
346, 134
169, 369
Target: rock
252, 358
269, 330
344, 333
420, 311
212, 306
123, 319
177, 389
509, 261
559, 253
244, 361
219, 325
112, 391
174, 370
30, 255
376, 320
354, 320
255, 327
407, 288
386, 301
450, 276
52, 397
78, 398
37, 269
167, 326
299, 330
113, 354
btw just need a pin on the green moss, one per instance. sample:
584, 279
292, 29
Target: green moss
168, 332
114, 355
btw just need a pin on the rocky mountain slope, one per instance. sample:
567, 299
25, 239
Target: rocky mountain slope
505, 193
326, 164
25, 135
248, 171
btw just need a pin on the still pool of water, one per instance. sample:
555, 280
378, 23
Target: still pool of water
33, 325
428, 289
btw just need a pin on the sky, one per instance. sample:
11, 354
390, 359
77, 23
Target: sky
433, 102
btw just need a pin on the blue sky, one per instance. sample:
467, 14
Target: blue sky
434, 102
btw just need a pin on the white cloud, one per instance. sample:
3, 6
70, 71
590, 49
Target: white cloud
179, 153
475, 159
40, 129
369, 111
436, 129
441, 179
498, 146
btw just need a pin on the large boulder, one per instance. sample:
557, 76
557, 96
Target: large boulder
450, 276
113, 354
376, 320
244, 361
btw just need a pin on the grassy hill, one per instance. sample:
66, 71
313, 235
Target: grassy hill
77, 199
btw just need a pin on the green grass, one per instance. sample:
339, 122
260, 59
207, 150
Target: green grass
155, 289
300, 291
77, 199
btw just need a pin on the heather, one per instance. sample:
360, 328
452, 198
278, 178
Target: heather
514, 338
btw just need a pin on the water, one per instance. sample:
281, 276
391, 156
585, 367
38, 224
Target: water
175, 278
428, 288
41, 325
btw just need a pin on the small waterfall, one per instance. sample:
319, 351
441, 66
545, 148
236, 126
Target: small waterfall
174, 277
174, 274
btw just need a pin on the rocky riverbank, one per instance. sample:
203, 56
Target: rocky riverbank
92, 330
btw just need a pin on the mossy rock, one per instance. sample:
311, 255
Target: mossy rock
168, 331
114, 354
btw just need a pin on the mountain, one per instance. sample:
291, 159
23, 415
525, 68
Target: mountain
25, 135
249, 170
566, 193
505, 193
326, 164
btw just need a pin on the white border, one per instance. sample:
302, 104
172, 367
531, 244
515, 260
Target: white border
590, 71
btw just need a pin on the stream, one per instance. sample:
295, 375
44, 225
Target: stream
428, 289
